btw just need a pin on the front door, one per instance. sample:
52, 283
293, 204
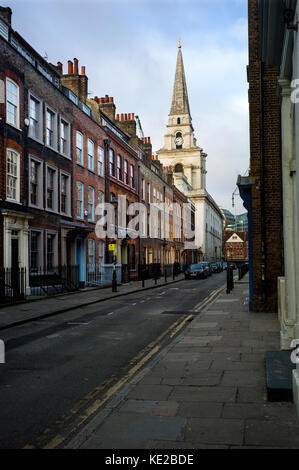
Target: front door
15, 275
81, 259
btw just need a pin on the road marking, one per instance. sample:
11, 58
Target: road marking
78, 323
134, 365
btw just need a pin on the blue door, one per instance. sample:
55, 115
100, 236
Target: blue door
81, 258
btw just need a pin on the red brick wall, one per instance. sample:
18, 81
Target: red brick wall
264, 111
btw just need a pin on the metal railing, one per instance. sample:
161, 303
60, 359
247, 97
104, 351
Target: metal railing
243, 270
12, 285
93, 276
54, 280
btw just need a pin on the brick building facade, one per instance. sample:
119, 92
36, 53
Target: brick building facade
265, 169
61, 155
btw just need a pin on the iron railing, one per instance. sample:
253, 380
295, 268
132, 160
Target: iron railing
12, 285
54, 280
93, 276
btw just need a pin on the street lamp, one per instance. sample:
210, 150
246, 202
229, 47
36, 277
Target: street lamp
114, 203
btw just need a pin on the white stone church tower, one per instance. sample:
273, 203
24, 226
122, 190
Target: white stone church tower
188, 162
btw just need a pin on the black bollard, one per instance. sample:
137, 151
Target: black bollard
114, 280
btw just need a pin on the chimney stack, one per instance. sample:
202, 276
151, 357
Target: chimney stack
108, 107
78, 84
70, 69
5, 14
60, 67
76, 66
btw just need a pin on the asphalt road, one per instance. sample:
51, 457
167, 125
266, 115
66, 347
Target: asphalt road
59, 370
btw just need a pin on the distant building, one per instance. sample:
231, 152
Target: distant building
188, 162
238, 222
235, 246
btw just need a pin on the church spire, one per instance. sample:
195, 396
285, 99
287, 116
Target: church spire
180, 101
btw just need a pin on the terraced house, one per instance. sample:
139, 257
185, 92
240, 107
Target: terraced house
61, 155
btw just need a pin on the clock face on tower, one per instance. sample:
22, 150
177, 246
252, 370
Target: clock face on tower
179, 141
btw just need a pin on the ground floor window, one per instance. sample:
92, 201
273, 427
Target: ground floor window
51, 250
35, 250
91, 255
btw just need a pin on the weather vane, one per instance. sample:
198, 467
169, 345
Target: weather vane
180, 43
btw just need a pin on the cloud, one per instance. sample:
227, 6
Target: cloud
129, 48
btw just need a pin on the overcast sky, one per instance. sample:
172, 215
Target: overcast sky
129, 48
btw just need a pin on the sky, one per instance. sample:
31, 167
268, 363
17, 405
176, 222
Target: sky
129, 48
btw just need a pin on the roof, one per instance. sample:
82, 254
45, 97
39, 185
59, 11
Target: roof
180, 101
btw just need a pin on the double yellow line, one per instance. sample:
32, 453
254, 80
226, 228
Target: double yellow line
134, 366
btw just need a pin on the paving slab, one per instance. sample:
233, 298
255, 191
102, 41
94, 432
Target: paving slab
207, 390
215, 431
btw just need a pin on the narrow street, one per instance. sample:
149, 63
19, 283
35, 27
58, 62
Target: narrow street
58, 371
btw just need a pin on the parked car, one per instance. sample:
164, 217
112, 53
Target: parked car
216, 267
208, 266
197, 271
224, 265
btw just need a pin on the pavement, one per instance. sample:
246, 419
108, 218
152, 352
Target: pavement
206, 389
18, 314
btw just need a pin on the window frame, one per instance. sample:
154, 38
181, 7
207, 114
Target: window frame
68, 193
55, 251
89, 204
55, 189
16, 177
132, 176
15, 124
81, 162
126, 172
40, 179
100, 161
50, 110
64, 121
111, 163
40, 252
39, 137
90, 141
81, 217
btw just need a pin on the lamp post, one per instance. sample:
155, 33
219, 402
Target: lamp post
114, 202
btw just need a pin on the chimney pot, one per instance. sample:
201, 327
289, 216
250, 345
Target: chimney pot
126, 117
117, 117
60, 66
133, 116
70, 67
111, 100
76, 66
83, 68
122, 117
129, 117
